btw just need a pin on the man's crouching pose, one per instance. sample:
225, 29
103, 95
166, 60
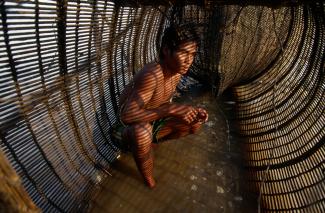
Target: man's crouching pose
146, 111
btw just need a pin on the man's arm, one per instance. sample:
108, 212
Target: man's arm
134, 110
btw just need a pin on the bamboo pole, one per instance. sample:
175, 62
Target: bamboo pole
13, 197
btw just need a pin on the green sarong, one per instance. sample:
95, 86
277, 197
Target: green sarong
118, 128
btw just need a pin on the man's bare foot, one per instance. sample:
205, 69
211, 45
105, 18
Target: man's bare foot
151, 182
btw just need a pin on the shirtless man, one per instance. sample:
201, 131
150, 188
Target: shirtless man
145, 101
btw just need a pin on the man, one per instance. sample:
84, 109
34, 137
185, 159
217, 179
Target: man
146, 112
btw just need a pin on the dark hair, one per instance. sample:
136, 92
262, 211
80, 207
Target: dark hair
176, 35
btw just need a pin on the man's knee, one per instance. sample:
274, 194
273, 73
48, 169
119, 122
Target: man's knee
141, 129
140, 133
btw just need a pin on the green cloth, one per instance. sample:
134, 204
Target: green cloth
118, 128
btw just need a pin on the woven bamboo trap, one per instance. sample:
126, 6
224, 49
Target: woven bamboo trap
64, 63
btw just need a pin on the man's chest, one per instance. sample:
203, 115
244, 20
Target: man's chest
164, 91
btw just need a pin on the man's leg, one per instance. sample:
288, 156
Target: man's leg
140, 138
176, 128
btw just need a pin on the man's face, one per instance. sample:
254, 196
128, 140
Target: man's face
181, 59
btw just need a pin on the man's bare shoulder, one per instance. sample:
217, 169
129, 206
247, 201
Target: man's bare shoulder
145, 80
153, 69
150, 72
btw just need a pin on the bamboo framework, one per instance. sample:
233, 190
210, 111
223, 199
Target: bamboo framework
64, 63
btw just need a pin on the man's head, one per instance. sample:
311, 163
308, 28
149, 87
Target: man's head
178, 47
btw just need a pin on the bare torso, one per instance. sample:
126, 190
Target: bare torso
164, 89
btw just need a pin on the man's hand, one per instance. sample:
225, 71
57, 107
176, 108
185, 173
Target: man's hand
184, 112
202, 115
190, 114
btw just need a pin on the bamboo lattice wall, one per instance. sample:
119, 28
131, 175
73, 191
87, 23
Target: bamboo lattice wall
63, 65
